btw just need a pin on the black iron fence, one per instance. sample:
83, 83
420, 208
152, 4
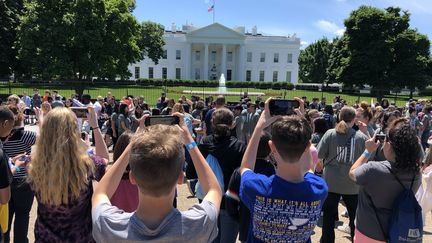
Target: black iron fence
152, 89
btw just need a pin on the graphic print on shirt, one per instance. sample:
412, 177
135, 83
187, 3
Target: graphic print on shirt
345, 153
279, 220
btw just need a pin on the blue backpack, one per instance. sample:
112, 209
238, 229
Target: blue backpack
406, 222
217, 170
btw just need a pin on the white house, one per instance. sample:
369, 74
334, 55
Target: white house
205, 53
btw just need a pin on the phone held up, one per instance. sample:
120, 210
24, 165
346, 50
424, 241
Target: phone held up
163, 120
80, 112
283, 107
380, 137
26, 158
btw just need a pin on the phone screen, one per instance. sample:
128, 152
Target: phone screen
283, 107
80, 112
380, 137
163, 120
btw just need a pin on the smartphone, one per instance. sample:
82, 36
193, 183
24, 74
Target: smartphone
283, 107
83, 136
80, 112
380, 137
163, 120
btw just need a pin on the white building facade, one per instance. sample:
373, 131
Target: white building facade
208, 52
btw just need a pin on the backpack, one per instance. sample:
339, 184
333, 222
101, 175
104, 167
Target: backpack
217, 170
406, 223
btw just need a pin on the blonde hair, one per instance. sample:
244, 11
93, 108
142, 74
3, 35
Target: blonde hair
60, 167
45, 107
346, 115
15, 98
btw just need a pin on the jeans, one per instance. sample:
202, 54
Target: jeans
228, 228
20, 204
330, 209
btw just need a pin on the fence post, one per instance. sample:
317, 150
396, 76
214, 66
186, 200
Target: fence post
10, 87
396, 96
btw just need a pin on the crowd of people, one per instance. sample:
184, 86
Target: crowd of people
257, 177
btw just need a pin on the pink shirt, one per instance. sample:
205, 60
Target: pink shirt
126, 196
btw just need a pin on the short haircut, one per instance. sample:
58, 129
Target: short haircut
222, 120
220, 100
291, 136
156, 160
263, 146
6, 114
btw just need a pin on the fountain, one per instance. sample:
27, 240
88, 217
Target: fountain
222, 88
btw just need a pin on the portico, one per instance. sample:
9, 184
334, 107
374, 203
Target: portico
206, 53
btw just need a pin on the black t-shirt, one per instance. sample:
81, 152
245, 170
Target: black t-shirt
5, 173
237, 209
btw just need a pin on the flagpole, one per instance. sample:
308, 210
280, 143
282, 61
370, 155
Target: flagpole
214, 10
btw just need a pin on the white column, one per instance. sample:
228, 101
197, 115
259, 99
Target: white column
206, 61
188, 62
241, 65
224, 59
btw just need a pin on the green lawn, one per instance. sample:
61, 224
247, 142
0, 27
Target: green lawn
151, 94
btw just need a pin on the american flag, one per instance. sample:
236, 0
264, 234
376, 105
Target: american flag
211, 8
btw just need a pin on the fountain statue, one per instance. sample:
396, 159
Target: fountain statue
222, 88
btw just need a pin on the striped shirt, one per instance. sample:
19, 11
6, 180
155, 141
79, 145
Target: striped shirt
20, 142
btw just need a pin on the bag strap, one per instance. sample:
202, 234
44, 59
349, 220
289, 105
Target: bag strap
342, 150
398, 180
376, 215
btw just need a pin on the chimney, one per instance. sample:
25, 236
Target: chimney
254, 30
173, 28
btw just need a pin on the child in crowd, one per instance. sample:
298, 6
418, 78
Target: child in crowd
156, 163
234, 206
278, 203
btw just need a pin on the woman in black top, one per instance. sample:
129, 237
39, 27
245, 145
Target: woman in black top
229, 153
19, 142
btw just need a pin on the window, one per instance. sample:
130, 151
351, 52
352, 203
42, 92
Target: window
288, 77
150, 72
275, 76
261, 76
165, 54
178, 73
197, 74
248, 75
178, 54
262, 58
137, 72
249, 57
229, 74
289, 58
276, 58
213, 56
229, 56
197, 55
164, 72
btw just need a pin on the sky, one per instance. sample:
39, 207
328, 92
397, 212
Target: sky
310, 20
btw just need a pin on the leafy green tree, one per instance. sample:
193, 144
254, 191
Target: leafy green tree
313, 61
151, 41
83, 39
411, 61
10, 10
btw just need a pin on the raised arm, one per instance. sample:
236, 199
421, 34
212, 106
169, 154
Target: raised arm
101, 148
371, 147
249, 157
206, 177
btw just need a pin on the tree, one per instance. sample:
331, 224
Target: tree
379, 49
313, 61
10, 10
411, 61
83, 39
151, 41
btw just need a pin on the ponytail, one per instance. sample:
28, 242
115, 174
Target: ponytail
342, 127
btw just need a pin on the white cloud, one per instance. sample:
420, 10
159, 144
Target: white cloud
304, 43
329, 27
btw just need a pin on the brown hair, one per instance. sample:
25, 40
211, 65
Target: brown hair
221, 121
156, 160
220, 100
120, 146
291, 136
366, 112
18, 115
346, 115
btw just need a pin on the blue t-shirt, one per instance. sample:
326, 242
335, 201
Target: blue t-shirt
282, 211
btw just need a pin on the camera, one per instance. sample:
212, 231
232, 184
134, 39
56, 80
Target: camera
163, 120
283, 107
